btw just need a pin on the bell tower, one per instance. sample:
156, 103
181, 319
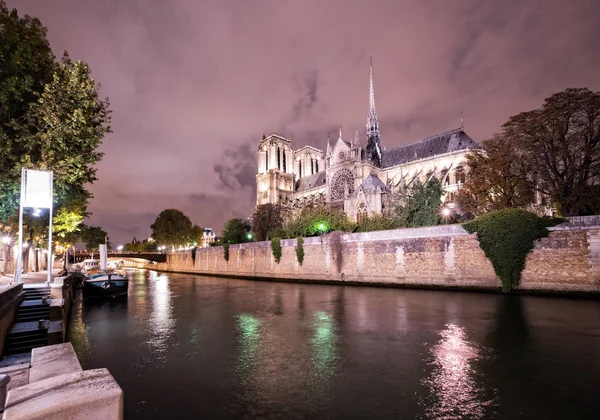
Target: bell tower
275, 177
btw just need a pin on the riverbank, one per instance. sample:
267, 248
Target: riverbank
441, 257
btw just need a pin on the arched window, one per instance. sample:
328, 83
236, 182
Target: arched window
266, 160
316, 165
299, 169
460, 174
284, 162
445, 178
278, 158
312, 166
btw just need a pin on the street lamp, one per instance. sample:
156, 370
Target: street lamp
249, 236
6, 240
120, 248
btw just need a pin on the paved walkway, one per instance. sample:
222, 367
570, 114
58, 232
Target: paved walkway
30, 278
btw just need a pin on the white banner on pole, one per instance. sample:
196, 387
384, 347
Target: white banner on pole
38, 189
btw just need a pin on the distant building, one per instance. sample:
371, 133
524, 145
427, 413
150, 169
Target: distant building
208, 237
359, 179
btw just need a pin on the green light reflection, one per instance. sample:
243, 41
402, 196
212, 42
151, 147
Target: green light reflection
249, 328
324, 343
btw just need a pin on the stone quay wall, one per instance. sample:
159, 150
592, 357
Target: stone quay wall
568, 261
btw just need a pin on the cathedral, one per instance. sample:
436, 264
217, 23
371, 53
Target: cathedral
361, 179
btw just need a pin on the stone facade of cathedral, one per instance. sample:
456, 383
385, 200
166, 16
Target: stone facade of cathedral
360, 179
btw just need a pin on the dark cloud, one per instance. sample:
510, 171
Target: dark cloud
307, 85
193, 85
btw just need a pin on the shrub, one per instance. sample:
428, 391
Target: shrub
226, 251
506, 237
309, 221
276, 249
300, 250
378, 222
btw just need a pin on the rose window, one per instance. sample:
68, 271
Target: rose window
341, 180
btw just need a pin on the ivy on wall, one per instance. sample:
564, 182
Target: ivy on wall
506, 237
300, 250
226, 252
276, 249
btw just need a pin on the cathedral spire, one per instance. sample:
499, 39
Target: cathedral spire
462, 123
329, 150
373, 146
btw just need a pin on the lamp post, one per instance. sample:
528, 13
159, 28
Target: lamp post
249, 236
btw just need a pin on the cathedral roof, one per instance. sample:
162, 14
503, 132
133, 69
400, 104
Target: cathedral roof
310, 182
372, 182
447, 142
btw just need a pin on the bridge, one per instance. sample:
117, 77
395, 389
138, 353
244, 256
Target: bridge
150, 256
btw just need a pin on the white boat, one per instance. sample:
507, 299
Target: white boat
103, 281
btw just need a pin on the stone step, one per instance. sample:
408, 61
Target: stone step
23, 348
42, 334
27, 327
32, 317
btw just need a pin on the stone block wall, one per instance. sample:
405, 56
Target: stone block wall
11, 297
441, 256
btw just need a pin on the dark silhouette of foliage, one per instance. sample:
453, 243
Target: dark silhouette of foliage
172, 228
267, 218
236, 231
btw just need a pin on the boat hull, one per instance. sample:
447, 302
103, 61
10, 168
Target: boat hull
101, 286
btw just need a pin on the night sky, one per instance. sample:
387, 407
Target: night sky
194, 84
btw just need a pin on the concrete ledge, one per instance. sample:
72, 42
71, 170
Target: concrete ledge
56, 309
91, 394
50, 361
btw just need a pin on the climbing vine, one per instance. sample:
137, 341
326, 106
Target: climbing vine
300, 250
335, 247
506, 237
226, 251
276, 249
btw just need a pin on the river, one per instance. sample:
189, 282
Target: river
184, 346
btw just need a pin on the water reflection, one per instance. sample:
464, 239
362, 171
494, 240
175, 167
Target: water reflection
324, 343
454, 390
248, 328
161, 321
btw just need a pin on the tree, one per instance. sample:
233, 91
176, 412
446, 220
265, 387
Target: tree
267, 218
172, 228
197, 235
26, 65
51, 117
560, 144
93, 236
423, 206
236, 231
495, 179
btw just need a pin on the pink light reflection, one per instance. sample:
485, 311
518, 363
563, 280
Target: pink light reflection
453, 390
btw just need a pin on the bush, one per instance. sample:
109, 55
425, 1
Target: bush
308, 222
226, 251
300, 250
506, 237
276, 249
378, 222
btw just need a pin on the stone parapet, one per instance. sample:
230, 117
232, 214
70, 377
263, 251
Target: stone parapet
441, 256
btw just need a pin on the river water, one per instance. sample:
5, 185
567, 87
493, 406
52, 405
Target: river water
184, 346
